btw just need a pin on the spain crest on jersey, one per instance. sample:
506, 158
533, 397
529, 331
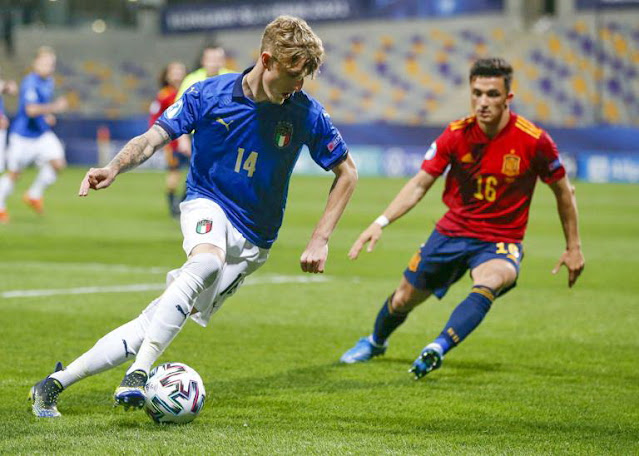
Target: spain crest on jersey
283, 134
510, 165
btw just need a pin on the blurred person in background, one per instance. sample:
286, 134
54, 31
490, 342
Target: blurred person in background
7, 87
31, 139
170, 79
213, 61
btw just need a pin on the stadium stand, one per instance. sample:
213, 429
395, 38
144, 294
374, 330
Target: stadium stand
413, 74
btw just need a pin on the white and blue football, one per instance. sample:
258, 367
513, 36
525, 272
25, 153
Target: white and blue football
174, 394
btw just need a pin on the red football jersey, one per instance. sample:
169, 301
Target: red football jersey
490, 182
164, 99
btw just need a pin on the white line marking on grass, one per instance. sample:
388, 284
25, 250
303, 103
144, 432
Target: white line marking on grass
260, 280
125, 268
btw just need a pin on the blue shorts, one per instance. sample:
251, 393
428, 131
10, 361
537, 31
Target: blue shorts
443, 260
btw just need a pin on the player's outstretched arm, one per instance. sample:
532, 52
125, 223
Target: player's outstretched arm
406, 199
57, 106
134, 153
314, 257
572, 257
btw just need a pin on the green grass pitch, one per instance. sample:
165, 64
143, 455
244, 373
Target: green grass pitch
550, 371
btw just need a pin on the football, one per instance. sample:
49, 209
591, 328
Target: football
174, 394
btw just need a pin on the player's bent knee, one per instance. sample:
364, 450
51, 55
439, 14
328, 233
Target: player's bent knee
58, 165
496, 274
205, 266
407, 297
208, 248
498, 280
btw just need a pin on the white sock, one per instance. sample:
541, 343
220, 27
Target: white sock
45, 177
6, 188
115, 348
435, 346
174, 308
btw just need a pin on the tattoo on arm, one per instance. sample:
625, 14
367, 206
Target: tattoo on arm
140, 149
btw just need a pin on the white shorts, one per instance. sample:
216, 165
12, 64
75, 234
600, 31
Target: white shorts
204, 222
23, 151
3, 146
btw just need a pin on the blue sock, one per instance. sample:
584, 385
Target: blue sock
387, 322
466, 317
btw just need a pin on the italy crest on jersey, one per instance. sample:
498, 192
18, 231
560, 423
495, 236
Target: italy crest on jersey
203, 226
510, 165
283, 134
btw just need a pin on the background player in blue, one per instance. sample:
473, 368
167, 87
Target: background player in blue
10, 88
249, 130
31, 139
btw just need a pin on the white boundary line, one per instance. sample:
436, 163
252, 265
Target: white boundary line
260, 280
124, 268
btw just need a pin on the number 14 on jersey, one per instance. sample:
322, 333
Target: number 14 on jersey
248, 165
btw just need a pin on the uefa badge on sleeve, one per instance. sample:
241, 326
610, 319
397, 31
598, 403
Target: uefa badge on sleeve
203, 226
283, 134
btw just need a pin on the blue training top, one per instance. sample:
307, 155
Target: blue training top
33, 90
243, 152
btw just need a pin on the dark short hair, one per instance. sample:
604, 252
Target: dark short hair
492, 66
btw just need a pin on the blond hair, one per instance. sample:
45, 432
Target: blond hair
44, 50
290, 39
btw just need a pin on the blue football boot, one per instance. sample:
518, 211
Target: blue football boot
44, 396
130, 393
429, 360
363, 350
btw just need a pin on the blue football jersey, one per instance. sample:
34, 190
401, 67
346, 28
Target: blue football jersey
33, 90
243, 153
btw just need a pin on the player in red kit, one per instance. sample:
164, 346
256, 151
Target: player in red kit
495, 158
170, 80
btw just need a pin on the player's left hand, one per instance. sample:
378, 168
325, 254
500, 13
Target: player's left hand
314, 257
574, 260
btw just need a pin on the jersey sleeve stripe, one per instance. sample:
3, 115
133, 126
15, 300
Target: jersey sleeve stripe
528, 128
458, 124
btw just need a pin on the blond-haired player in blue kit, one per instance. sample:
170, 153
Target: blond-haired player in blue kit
249, 131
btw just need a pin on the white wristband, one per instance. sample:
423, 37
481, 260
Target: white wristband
382, 221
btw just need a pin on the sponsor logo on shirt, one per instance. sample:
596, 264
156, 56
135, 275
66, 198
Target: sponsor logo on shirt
227, 125
283, 134
432, 150
173, 110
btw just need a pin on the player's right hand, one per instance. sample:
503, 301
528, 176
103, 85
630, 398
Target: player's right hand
370, 235
97, 178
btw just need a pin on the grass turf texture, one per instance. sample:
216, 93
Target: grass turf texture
550, 371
